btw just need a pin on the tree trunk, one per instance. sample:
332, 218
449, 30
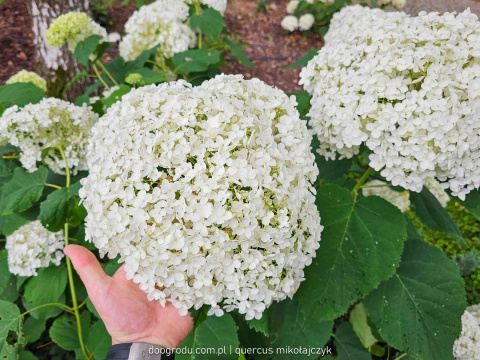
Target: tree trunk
56, 64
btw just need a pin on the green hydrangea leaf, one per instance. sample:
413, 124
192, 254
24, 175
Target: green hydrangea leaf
11, 337
85, 48
358, 319
210, 22
53, 211
419, 309
238, 53
302, 62
64, 333
361, 246
4, 272
472, 203
20, 94
260, 325
33, 329
98, 341
7, 166
116, 95
348, 345
195, 60
433, 215
22, 190
46, 287
27, 355
292, 328
214, 332
92, 309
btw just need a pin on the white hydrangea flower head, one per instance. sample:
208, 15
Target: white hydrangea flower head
50, 123
467, 346
219, 5
406, 87
24, 76
352, 23
290, 23
72, 28
292, 6
32, 247
382, 189
205, 192
159, 23
306, 21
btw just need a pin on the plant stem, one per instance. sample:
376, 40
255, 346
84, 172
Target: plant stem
197, 12
361, 181
63, 306
69, 268
163, 66
83, 303
374, 186
11, 157
401, 356
53, 186
99, 76
67, 169
104, 69
70, 83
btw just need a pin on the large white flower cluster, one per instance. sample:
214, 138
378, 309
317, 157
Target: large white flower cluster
467, 346
50, 123
32, 247
353, 23
159, 23
406, 87
402, 199
205, 193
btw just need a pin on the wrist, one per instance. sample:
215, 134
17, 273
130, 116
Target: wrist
139, 351
164, 343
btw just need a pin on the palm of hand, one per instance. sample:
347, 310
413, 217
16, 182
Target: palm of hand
127, 313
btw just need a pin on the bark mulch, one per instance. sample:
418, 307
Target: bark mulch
16, 44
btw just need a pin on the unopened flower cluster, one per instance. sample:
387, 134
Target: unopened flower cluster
50, 123
402, 199
32, 247
25, 76
72, 28
205, 193
159, 23
305, 22
406, 87
467, 346
292, 23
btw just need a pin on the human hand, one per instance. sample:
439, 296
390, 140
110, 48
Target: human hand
124, 308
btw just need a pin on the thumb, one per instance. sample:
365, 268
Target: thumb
89, 270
